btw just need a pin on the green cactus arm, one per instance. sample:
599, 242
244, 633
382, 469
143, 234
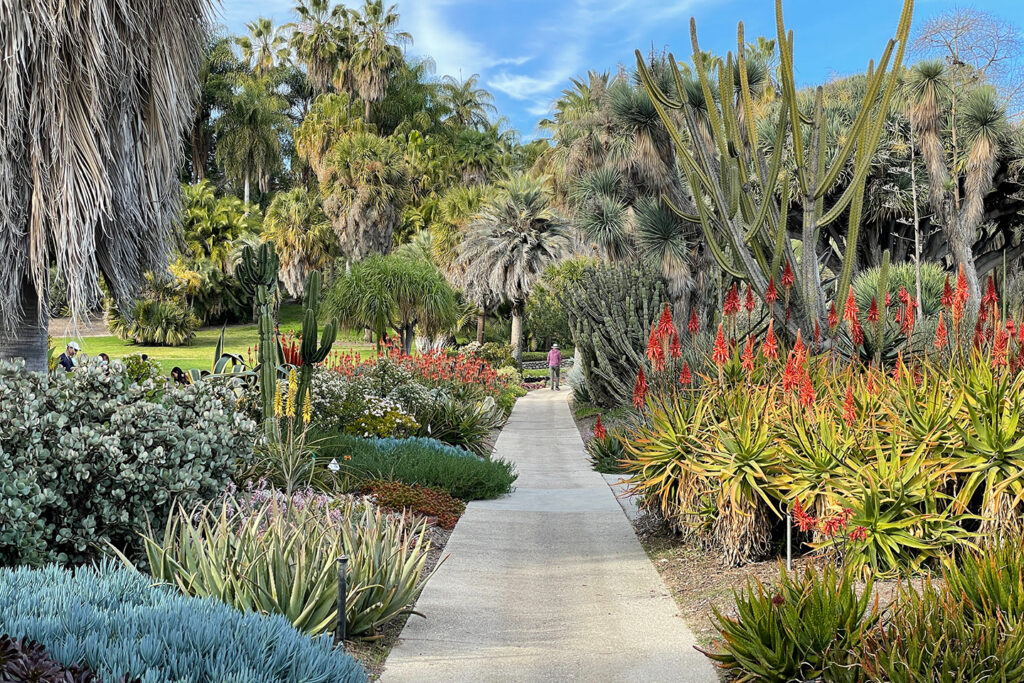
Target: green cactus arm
789, 93
856, 208
767, 195
780, 234
746, 101
709, 235
717, 127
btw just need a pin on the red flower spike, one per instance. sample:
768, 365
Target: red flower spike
770, 348
960, 296
721, 352
908, 320
639, 389
655, 351
798, 348
904, 296
817, 334
849, 408
665, 326
859, 534
857, 334
888, 300
694, 326
685, 378
990, 298
850, 313
941, 336
873, 311
792, 376
771, 295
747, 360
897, 371
749, 303
732, 302
947, 294
599, 431
787, 276
807, 396
804, 521
833, 317
871, 383
674, 349
999, 348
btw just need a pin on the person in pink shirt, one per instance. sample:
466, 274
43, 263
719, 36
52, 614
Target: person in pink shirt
555, 366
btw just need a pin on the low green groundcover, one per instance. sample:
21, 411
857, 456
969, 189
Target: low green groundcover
120, 624
420, 461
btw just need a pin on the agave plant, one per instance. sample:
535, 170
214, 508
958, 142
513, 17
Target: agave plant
280, 556
992, 458
663, 454
744, 457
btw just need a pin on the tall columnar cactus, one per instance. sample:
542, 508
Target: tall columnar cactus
257, 274
311, 351
610, 311
742, 198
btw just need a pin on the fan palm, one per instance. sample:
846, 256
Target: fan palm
302, 236
378, 50
249, 134
468, 104
365, 185
320, 40
510, 243
265, 47
96, 99
216, 73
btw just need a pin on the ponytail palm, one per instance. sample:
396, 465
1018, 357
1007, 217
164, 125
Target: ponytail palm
513, 239
96, 98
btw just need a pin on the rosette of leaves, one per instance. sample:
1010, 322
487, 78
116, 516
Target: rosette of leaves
806, 627
607, 453
155, 322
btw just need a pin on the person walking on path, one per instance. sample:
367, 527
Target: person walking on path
67, 359
555, 366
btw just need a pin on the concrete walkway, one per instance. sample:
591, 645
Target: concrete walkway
549, 583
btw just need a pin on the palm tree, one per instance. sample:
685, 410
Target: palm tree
365, 185
216, 74
302, 236
395, 292
265, 47
211, 224
510, 243
249, 134
93, 127
319, 40
468, 104
327, 120
983, 121
378, 50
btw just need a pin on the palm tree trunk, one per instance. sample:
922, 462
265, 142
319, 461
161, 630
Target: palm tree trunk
245, 192
28, 339
517, 332
366, 111
481, 321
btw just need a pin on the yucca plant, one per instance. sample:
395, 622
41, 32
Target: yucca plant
277, 556
991, 461
663, 454
742, 454
938, 636
807, 627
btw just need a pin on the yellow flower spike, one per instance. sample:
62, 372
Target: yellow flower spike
293, 390
307, 409
277, 404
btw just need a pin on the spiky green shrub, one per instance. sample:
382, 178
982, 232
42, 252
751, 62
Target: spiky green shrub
463, 423
87, 456
271, 555
119, 624
991, 580
610, 313
607, 453
867, 284
419, 461
155, 322
807, 627
936, 635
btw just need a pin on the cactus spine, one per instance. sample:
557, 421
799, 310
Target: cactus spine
734, 186
311, 351
257, 274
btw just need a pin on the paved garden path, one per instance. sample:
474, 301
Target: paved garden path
548, 583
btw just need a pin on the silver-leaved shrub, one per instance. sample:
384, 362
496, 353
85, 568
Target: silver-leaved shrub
87, 457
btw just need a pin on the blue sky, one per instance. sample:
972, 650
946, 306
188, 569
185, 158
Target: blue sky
527, 50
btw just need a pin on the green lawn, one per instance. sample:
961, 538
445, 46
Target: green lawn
199, 354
